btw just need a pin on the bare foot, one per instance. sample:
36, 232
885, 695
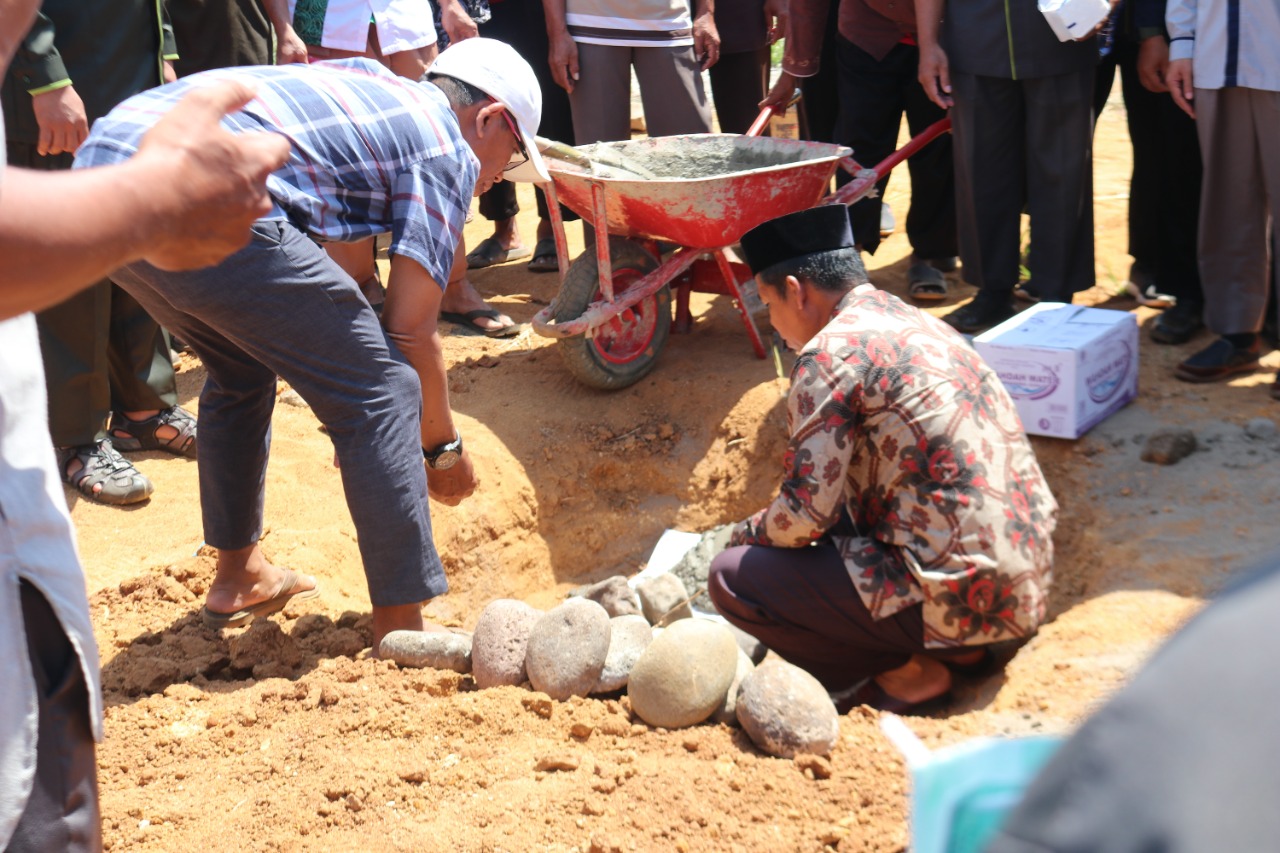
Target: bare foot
461, 297
245, 577
507, 233
918, 680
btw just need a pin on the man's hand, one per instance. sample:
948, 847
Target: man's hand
780, 95
1179, 77
1153, 61
290, 48
776, 13
60, 115
451, 486
456, 22
706, 40
210, 184
935, 75
563, 58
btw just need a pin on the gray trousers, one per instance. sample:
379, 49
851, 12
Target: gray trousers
280, 306
1240, 144
1025, 143
670, 90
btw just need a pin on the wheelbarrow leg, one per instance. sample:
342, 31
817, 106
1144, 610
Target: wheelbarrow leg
726, 270
684, 316
557, 229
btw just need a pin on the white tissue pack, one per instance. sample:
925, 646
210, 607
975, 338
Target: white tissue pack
1073, 19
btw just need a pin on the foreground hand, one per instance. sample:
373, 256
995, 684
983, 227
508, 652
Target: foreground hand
1179, 77
562, 55
706, 40
935, 75
60, 115
780, 95
209, 184
776, 13
170, 73
1153, 61
451, 486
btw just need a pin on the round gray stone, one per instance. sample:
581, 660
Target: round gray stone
567, 649
629, 636
614, 594
1260, 428
663, 599
434, 649
786, 711
727, 713
684, 674
499, 643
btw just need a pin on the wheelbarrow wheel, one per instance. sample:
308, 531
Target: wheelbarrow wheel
626, 347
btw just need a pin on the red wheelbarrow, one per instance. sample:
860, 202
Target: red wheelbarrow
701, 192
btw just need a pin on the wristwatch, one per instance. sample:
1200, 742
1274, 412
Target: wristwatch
445, 456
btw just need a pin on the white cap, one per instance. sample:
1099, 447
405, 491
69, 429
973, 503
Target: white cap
496, 69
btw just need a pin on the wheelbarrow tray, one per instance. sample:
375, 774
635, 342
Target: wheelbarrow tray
708, 190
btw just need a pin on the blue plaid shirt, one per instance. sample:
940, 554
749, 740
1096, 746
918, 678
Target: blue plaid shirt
372, 152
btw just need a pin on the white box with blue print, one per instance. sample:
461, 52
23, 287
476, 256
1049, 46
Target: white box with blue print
1067, 367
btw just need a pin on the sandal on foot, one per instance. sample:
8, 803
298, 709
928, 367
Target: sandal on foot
491, 252
925, 283
288, 592
468, 320
101, 465
544, 256
130, 435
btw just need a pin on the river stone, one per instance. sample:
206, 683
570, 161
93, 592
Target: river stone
615, 595
567, 649
663, 599
499, 643
434, 649
727, 713
629, 636
786, 711
1260, 428
1169, 446
684, 674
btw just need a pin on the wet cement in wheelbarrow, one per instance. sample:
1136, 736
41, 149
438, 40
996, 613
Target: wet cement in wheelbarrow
696, 158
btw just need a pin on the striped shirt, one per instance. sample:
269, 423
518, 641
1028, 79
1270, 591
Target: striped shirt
371, 152
1230, 42
630, 23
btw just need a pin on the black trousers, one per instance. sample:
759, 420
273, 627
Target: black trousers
874, 94
62, 812
738, 85
523, 25
1164, 194
102, 352
1025, 143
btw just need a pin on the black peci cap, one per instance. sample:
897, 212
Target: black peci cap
797, 235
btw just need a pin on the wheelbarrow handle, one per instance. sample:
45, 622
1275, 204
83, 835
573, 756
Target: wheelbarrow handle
758, 126
866, 179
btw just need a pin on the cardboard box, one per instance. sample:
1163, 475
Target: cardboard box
1067, 367
1074, 19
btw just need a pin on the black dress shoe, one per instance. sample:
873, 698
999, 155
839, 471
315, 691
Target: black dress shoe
1178, 324
986, 310
1218, 361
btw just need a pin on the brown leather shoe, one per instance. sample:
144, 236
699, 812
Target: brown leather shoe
1218, 361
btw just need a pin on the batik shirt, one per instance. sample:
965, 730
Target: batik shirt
371, 152
895, 420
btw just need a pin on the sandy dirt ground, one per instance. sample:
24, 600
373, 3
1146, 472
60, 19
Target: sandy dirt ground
288, 737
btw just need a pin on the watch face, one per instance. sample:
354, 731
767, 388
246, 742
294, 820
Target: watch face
447, 460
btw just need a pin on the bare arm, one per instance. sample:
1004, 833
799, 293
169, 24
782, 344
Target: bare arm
409, 315
289, 47
562, 54
706, 38
184, 201
935, 70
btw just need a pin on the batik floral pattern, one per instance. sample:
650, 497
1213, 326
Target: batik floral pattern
897, 422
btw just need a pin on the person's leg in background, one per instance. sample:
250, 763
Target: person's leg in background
62, 810
988, 132
1266, 106
738, 84
931, 219
671, 90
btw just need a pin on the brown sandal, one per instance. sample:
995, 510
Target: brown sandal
130, 435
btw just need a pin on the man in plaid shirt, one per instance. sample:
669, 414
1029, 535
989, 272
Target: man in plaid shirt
370, 153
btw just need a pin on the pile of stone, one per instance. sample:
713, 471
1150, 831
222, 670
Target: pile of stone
677, 670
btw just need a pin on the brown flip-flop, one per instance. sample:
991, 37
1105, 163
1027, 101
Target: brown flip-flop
275, 604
